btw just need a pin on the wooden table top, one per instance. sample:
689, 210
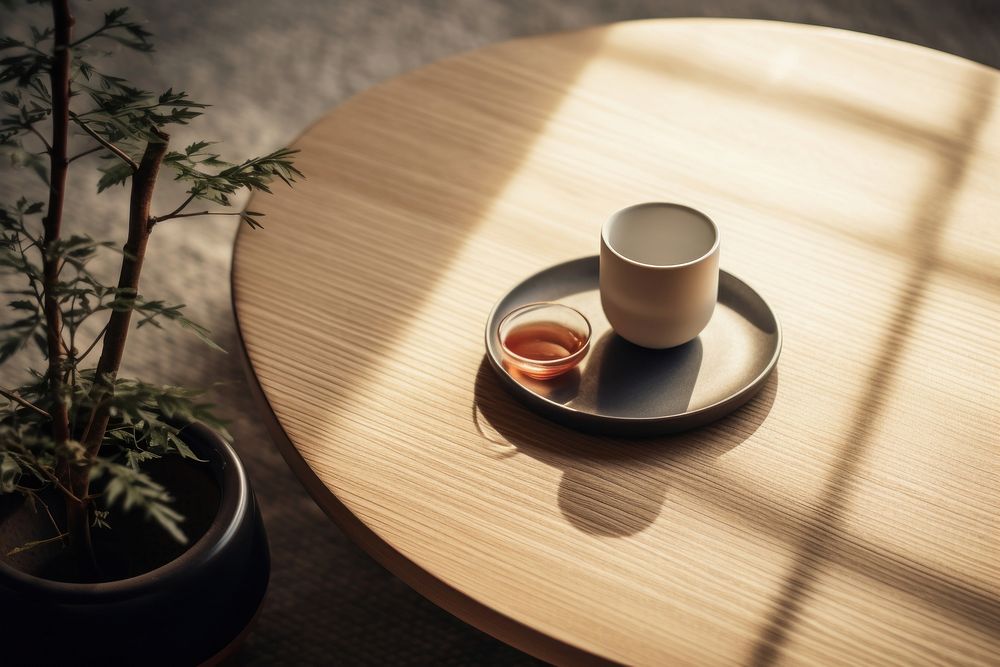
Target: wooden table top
848, 514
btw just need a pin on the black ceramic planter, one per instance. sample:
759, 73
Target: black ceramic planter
189, 611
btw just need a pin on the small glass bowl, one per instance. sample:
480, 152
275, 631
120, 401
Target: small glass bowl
544, 340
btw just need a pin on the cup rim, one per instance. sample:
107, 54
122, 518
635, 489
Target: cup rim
614, 216
544, 363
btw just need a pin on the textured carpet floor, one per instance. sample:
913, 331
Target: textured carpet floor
269, 69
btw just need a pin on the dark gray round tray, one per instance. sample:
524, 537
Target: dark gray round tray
625, 389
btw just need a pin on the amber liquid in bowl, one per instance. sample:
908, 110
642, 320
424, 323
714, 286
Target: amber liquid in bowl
545, 342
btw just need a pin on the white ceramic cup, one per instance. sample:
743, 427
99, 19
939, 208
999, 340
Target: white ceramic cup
659, 275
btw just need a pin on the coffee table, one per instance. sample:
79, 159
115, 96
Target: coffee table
846, 515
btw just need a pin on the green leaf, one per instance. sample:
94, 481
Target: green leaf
100, 519
255, 175
183, 449
9, 347
25, 322
197, 146
153, 311
203, 334
78, 248
9, 43
134, 457
136, 44
10, 472
116, 174
24, 68
133, 489
38, 36
168, 520
20, 332
111, 17
249, 217
19, 157
41, 343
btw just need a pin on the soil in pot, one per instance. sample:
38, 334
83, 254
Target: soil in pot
133, 544
192, 609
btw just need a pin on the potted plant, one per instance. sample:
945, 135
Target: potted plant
119, 508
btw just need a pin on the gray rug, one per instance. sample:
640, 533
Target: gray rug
269, 69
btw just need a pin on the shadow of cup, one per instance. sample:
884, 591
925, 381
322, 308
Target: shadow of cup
611, 486
638, 381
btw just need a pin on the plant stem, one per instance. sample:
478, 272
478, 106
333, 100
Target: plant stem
35, 543
97, 339
89, 36
31, 128
17, 399
45, 471
53, 223
105, 143
37, 498
171, 216
31, 279
174, 213
143, 183
78, 528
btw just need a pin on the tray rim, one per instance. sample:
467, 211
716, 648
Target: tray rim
554, 408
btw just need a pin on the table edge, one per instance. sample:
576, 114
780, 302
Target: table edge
445, 596
448, 598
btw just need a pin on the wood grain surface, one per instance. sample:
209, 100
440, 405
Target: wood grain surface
847, 515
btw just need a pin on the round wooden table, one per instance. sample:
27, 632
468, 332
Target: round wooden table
848, 514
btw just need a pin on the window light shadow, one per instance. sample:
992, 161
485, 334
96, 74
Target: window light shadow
930, 217
951, 148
